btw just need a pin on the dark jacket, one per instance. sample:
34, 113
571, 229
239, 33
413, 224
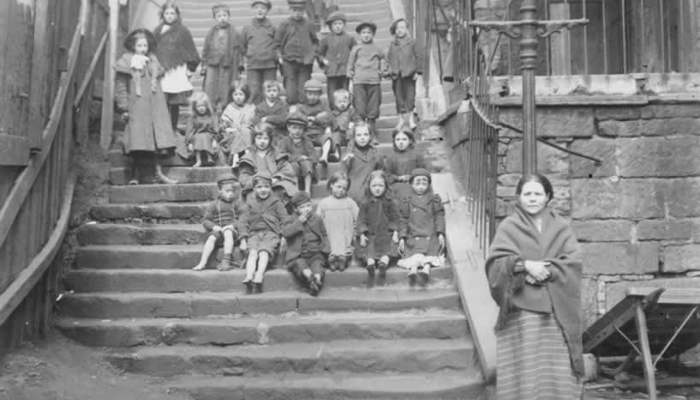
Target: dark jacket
275, 164
230, 56
263, 215
422, 216
336, 49
404, 58
295, 230
176, 47
400, 163
276, 113
298, 151
297, 41
378, 220
259, 45
223, 213
366, 64
358, 168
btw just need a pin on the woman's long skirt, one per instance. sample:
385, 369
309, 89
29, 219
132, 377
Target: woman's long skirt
533, 360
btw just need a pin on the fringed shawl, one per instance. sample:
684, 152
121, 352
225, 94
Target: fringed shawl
176, 47
517, 239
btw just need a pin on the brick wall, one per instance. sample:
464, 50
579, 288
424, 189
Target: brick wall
637, 214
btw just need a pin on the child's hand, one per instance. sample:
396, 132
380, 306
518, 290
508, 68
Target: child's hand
324, 60
283, 244
441, 242
125, 116
363, 240
214, 144
280, 60
311, 118
203, 72
415, 77
348, 157
217, 228
190, 147
402, 246
395, 237
404, 178
244, 245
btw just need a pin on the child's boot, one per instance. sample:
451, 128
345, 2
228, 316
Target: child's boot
370, 273
381, 276
412, 276
257, 287
226, 263
412, 120
424, 275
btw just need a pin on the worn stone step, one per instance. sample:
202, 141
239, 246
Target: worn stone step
183, 211
201, 304
375, 356
457, 385
185, 280
435, 324
144, 234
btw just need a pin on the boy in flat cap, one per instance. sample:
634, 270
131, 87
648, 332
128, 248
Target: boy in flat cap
318, 117
300, 149
334, 52
221, 221
260, 50
307, 244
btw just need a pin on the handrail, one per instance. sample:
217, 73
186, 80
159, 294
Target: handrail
28, 278
24, 182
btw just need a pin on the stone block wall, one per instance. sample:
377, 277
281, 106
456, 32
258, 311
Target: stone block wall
637, 214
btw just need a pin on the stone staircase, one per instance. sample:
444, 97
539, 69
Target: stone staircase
133, 292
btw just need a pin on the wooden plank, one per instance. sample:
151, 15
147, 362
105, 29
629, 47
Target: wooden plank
27, 279
39, 70
24, 182
14, 150
91, 70
109, 76
647, 361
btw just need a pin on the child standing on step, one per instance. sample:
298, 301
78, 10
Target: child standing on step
366, 65
300, 149
273, 110
307, 244
262, 221
334, 52
297, 44
221, 57
221, 221
339, 214
361, 161
422, 229
342, 116
377, 228
260, 50
318, 118
405, 65
236, 124
202, 130
403, 159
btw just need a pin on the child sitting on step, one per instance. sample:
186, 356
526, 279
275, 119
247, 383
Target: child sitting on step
318, 117
262, 221
342, 117
202, 130
405, 65
307, 244
302, 154
273, 110
422, 229
377, 228
403, 159
236, 123
361, 161
339, 215
221, 221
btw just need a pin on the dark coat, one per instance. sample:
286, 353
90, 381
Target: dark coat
149, 127
295, 230
404, 58
336, 49
275, 164
299, 151
230, 56
263, 215
176, 47
358, 169
401, 163
259, 45
422, 217
297, 41
276, 113
378, 220
222, 213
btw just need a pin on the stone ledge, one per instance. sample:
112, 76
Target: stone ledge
681, 258
603, 230
620, 258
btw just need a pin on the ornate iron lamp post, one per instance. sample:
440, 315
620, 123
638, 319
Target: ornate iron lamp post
528, 29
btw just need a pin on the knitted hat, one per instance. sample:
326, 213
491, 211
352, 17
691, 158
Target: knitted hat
266, 3
392, 28
420, 172
371, 25
262, 176
312, 85
220, 7
335, 16
300, 198
296, 118
297, 3
228, 178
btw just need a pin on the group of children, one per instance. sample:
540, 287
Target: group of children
380, 211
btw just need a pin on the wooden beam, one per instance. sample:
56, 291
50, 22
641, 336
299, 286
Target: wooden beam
91, 70
39, 69
28, 278
109, 75
14, 150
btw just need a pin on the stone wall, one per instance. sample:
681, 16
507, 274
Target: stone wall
637, 214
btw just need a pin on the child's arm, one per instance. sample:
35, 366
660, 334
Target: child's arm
310, 151
418, 51
280, 40
362, 227
241, 224
121, 93
208, 219
439, 214
322, 51
351, 62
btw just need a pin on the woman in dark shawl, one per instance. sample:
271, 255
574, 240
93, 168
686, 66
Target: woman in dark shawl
178, 57
534, 273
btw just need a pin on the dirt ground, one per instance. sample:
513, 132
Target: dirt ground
59, 369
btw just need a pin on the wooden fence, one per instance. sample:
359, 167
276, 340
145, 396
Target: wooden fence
52, 49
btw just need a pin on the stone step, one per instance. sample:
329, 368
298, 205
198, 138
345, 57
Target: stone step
186, 280
444, 385
202, 304
146, 234
412, 324
192, 211
375, 356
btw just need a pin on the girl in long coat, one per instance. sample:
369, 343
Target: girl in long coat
361, 161
403, 159
141, 101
